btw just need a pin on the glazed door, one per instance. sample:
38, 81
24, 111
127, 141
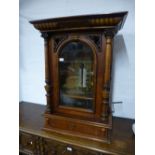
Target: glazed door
77, 64
76, 76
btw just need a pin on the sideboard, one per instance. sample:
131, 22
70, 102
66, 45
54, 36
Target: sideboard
34, 141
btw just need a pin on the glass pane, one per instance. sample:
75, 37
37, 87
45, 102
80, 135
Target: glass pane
76, 75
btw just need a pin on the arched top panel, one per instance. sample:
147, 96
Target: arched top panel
76, 50
77, 42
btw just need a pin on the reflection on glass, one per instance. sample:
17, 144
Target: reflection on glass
76, 75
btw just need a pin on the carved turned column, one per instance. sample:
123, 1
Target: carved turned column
47, 72
107, 74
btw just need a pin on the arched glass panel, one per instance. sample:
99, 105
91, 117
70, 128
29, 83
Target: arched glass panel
76, 75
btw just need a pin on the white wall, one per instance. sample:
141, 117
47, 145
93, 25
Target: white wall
32, 55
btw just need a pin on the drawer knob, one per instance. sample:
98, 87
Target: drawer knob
30, 143
69, 149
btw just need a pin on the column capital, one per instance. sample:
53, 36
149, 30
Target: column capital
45, 35
109, 33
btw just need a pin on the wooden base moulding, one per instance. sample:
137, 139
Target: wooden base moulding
97, 131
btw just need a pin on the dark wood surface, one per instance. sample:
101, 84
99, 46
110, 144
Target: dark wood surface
122, 137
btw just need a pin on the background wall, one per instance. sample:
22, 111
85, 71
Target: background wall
32, 55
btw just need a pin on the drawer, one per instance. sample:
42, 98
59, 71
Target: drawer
57, 148
54, 148
80, 128
34, 145
27, 143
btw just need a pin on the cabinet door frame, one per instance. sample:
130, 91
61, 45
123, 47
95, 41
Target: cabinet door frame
98, 77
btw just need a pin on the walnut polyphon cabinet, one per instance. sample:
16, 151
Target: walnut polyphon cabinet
78, 62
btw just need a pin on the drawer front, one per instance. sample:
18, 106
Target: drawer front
27, 143
56, 148
34, 145
80, 128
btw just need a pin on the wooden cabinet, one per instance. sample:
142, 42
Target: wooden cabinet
78, 62
35, 141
